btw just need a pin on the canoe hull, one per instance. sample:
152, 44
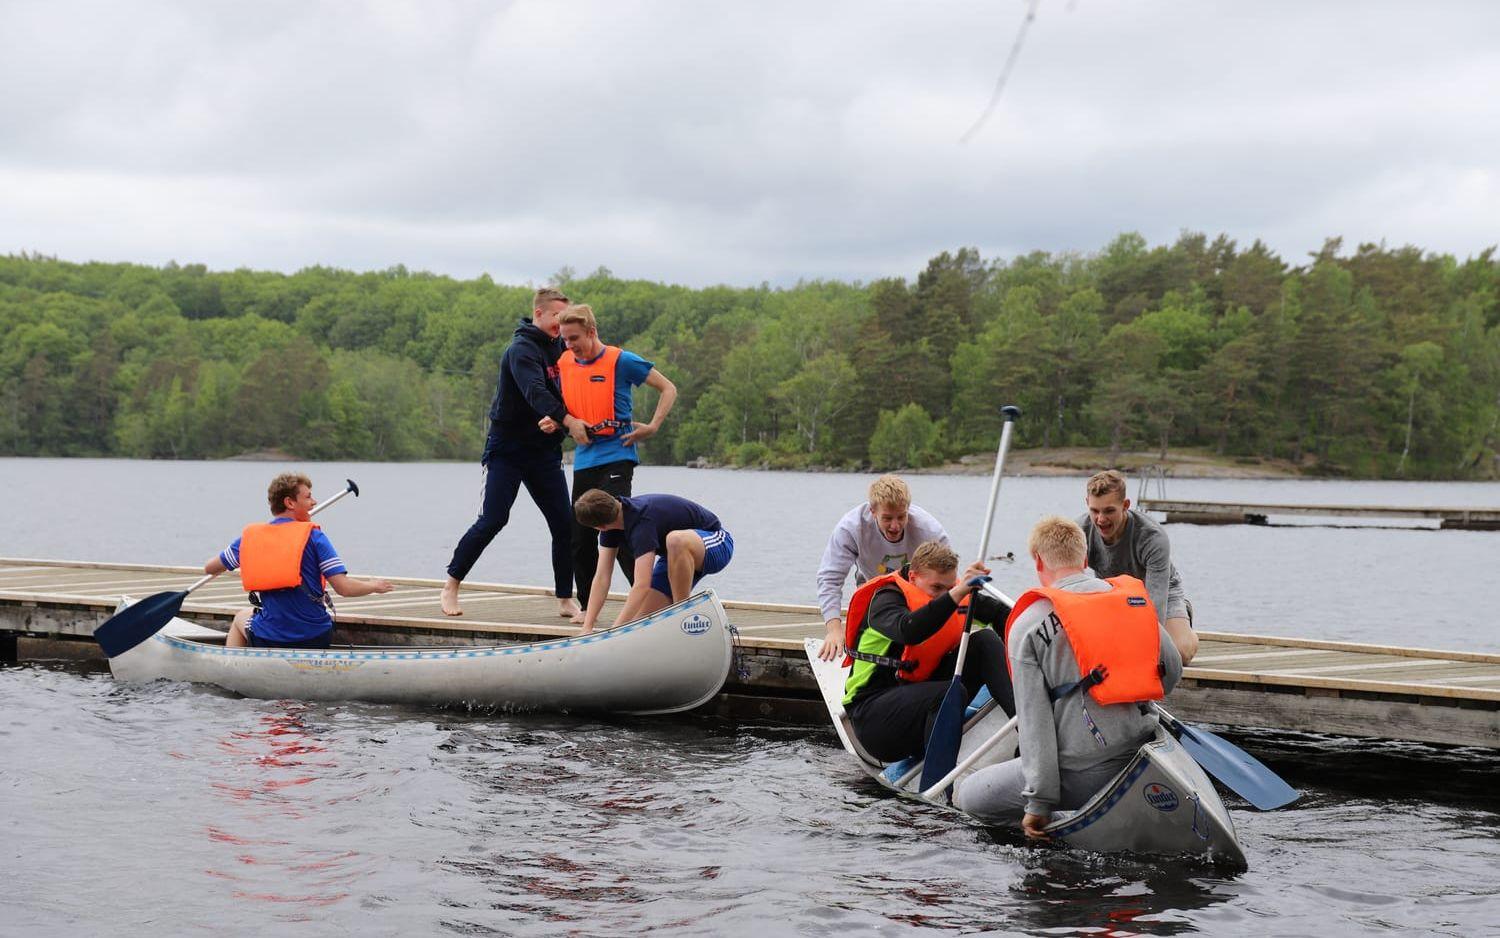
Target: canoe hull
1160, 803
671, 661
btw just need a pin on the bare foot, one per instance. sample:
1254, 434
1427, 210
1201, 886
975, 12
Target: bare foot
577, 618
450, 598
568, 609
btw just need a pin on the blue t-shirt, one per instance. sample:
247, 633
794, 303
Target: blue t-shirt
630, 371
650, 518
291, 615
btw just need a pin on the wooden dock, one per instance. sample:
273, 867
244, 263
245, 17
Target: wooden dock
50, 609
1199, 512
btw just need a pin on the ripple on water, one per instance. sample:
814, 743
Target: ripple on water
165, 807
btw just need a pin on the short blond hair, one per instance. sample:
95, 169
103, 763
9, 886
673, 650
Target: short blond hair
579, 314
283, 487
596, 508
546, 295
1108, 482
890, 490
1059, 543
934, 556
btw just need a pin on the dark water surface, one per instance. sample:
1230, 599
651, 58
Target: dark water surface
171, 809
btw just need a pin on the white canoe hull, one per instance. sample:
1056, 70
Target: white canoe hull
1160, 803
671, 661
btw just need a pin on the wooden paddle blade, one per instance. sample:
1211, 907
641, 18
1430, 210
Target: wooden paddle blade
134, 624
947, 734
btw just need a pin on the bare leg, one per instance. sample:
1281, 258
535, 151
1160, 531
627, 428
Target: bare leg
655, 602
1183, 637
450, 598
684, 558
236, 637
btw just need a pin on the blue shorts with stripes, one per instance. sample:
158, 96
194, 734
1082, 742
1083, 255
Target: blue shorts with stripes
718, 548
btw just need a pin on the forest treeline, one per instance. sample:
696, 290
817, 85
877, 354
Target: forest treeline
1371, 362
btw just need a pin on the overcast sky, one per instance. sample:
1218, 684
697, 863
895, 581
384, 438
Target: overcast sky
705, 142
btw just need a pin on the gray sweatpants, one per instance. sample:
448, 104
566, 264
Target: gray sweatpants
993, 793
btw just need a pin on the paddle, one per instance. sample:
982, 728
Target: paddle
1244, 774
1240, 772
135, 623
948, 727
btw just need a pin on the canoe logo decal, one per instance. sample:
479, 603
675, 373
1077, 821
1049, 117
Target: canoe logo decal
1160, 797
696, 624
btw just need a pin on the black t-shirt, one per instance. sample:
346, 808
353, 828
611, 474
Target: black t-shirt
650, 518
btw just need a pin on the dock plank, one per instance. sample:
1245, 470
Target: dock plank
1424, 694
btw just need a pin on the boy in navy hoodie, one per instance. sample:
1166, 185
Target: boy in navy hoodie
517, 452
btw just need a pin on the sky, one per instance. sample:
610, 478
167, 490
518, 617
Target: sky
720, 142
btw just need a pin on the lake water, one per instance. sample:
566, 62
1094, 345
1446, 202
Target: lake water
175, 809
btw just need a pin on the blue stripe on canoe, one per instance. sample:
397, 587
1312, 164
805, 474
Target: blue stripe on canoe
1079, 823
199, 648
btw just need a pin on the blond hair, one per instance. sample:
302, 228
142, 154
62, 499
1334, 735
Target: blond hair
1108, 482
934, 556
596, 508
579, 314
283, 487
546, 295
891, 491
1058, 542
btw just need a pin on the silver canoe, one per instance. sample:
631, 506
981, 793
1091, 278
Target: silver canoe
1160, 803
671, 661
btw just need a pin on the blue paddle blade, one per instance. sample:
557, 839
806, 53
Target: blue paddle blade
1240, 772
134, 624
947, 734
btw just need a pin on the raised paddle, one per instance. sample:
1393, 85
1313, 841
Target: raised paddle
948, 728
139, 621
1240, 772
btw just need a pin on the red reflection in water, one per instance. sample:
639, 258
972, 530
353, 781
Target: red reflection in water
269, 781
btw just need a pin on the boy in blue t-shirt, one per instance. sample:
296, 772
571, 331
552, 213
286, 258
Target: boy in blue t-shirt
676, 543
606, 456
295, 616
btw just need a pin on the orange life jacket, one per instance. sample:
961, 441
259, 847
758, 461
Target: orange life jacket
589, 391
919, 661
1114, 636
271, 554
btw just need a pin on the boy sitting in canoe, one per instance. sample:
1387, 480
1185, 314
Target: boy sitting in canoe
1083, 653
676, 543
287, 562
903, 635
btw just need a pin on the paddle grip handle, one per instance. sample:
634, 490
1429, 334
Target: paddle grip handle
348, 488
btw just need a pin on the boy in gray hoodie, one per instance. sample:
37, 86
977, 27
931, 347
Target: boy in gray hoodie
1073, 745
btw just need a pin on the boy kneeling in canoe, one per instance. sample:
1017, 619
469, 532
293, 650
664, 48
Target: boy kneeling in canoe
676, 543
902, 644
289, 562
1084, 653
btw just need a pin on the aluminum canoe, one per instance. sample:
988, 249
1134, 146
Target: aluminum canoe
1161, 803
670, 661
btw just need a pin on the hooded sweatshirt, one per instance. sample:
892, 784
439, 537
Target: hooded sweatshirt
527, 391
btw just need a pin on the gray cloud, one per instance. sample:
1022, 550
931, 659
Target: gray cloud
702, 143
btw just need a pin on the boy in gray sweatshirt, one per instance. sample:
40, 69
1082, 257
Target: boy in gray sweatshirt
1071, 747
874, 537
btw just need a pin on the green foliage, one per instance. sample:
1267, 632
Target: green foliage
905, 438
1374, 362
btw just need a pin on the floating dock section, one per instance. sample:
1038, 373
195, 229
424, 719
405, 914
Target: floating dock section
51, 608
1197, 512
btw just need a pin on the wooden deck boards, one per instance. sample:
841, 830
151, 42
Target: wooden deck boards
1236, 679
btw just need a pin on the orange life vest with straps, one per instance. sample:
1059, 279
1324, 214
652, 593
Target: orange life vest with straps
917, 662
1114, 635
271, 554
589, 391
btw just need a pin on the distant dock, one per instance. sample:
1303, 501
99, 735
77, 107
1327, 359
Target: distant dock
1196, 512
49, 609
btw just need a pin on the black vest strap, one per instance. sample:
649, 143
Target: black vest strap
1095, 676
885, 661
